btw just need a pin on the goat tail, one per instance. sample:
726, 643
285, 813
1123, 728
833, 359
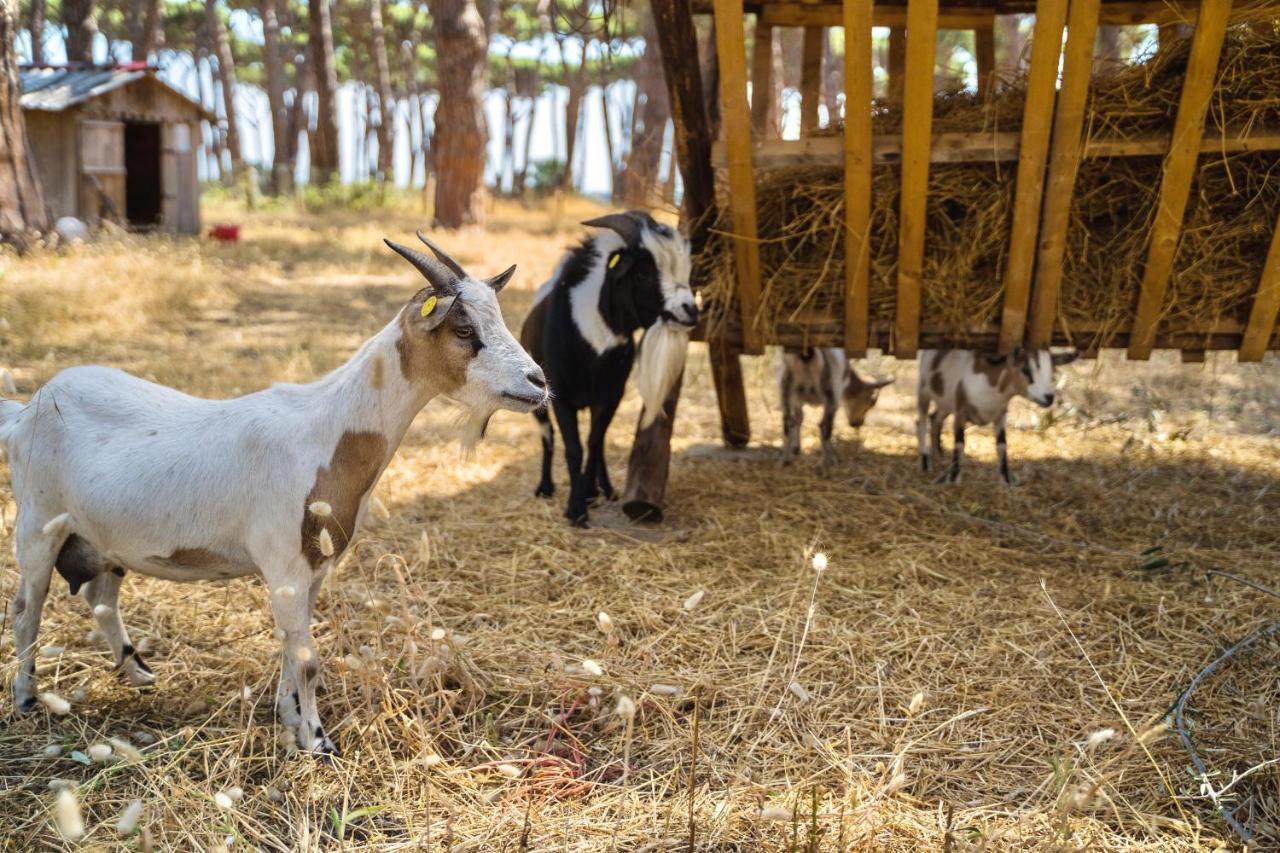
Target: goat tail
663, 350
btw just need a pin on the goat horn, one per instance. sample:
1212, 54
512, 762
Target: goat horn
440, 276
449, 262
625, 225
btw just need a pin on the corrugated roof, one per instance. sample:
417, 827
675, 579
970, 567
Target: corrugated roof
54, 88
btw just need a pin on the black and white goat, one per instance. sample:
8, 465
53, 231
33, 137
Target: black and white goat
821, 377
113, 474
632, 274
975, 388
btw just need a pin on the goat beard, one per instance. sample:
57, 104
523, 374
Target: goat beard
663, 350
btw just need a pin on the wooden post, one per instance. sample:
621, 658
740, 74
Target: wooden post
762, 106
1033, 150
811, 79
984, 48
857, 174
1266, 306
734, 113
649, 462
726, 374
1179, 171
917, 127
1064, 162
897, 64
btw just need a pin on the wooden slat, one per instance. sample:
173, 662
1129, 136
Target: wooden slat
984, 48
857, 174
1179, 170
1033, 151
1064, 162
762, 105
1266, 305
917, 125
830, 15
897, 64
811, 79
980, 148
736, 120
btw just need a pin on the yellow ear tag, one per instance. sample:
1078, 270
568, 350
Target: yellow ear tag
613, 261
428, 306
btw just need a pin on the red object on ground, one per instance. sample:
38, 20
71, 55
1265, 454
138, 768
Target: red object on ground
225, 233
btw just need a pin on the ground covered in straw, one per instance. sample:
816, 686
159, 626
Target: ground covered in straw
977, 667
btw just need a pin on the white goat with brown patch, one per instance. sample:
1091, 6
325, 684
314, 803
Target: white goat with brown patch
975, 388
821, 377
115, 474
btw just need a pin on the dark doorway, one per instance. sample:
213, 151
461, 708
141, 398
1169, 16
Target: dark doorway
142, 179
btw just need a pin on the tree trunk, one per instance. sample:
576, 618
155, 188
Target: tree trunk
80, 17
648, 123
519, 179
382, 71
227, 79
324, 144
577, 84
152, 22
37, 31
416, 114
460, 133
141, 21
1010, 45
281, 168
22, 209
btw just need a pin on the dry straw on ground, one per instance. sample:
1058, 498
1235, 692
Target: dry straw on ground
945, 676
1234, 206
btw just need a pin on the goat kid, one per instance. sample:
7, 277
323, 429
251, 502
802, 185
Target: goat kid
114, 474
975, 388
631, 274
821, 377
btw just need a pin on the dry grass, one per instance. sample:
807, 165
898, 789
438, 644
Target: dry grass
454, 634
1233, 208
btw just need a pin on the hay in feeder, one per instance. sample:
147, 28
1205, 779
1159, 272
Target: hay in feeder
1230, 217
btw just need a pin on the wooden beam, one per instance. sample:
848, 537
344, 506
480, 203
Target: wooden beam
811, 78
917, 131
726, 376
831, 15
1064, 163
646, 488
736, 118
762, 105
857, 174
1179, 171
1033, 150
979, 148
1266, 305
897, 64
984, 48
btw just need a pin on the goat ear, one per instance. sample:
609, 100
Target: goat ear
428, 310
441, 278
1061, 358
624, 225
618, 263
443, 256
500, 280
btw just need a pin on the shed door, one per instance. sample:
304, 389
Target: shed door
181, 189
102, 171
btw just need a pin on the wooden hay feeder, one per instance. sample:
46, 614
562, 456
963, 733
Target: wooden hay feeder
1045, 159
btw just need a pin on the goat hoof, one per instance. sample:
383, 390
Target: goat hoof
326, 750
544, 490
27, 705
578, 521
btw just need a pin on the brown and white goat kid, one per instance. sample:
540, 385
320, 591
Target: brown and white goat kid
821, 377
975, 388
114, 474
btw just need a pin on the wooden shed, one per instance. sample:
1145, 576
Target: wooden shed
726, 162
114, 142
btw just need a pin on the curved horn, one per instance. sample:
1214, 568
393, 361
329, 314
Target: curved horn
440, 276
624, 225
443, 256
500, 280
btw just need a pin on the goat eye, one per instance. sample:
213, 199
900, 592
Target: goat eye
464, 332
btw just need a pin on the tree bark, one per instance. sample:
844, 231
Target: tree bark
576, 82
416, 115
80, 17
648, 123
382, 71
141, 21
281, 165
324, 143
37, 31
460, 132
227, 80
22, 208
